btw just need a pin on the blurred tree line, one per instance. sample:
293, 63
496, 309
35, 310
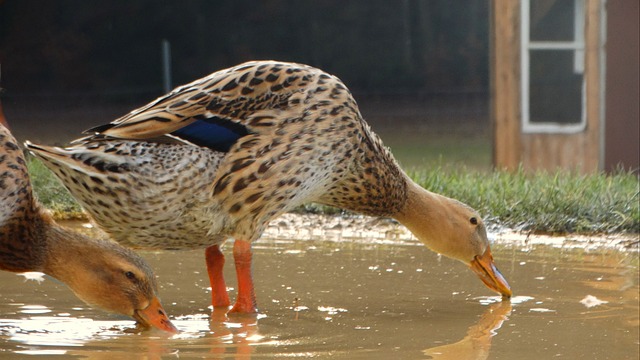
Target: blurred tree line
113, 48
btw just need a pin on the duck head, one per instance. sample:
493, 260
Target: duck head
113, 278
455, 230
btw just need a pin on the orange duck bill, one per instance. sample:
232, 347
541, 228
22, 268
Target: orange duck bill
155, 316
484, 267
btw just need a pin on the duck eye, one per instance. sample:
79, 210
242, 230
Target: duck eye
473, 220
130, 275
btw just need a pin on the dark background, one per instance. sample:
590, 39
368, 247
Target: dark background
71, 64
376, 46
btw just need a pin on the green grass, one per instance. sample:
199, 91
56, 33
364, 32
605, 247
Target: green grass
51, 192
558, 202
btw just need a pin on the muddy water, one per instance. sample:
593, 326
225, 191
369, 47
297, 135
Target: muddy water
352, 299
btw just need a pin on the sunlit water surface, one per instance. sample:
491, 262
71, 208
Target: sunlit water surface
351, 299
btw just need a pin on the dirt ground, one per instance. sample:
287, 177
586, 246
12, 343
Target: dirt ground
381, 231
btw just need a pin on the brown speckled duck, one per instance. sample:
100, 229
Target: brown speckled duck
220, 157
101, 273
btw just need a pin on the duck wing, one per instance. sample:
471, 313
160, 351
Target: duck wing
221, 108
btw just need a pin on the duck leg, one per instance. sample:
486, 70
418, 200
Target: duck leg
246, 300
215, 265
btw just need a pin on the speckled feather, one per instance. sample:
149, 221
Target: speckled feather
302, 139
145, 195
20, 247
100, 272
27, 229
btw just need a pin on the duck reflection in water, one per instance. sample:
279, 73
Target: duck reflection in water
477, 343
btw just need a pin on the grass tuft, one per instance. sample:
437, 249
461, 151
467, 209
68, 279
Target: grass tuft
51, 193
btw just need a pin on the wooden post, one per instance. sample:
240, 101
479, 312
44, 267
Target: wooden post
593, 141
166, 65
505, 83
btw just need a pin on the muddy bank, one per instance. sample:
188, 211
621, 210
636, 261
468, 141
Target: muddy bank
358, 228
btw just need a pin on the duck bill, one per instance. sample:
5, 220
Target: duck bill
484, 267
155, 316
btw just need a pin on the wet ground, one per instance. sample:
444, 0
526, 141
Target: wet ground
356, 288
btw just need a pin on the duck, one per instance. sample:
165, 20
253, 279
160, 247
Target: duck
218, 158
99, 272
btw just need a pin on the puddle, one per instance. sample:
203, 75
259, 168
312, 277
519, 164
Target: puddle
345, 297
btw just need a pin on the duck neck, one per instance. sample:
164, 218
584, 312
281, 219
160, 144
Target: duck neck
22, 241
426, 215
67, 251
